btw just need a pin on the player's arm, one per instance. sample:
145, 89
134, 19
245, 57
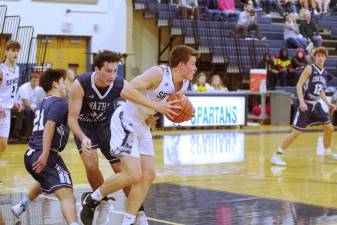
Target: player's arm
25, 103
148, 80
75, 104
332, 107
76, 95
48, 134
299, 87
1, 77
2, 111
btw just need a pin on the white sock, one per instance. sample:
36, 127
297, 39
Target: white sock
327, 150
25, 201
280, 150
128, 219
96, 195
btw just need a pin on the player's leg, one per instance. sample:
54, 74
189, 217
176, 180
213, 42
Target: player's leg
5, 124
130, 174
141, 216
3, 144
22, 205
327, 136
91, 164
139, 191
320, 116
67, 204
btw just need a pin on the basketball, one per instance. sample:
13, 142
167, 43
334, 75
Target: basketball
185, 113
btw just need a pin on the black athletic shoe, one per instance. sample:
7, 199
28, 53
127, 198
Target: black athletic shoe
88, 208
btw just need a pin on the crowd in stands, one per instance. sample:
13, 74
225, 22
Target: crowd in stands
301, 32
215, 85
296, 36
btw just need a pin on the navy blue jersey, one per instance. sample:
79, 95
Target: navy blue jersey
315, 84
98, 105
55, 109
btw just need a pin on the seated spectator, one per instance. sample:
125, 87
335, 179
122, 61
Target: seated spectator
70, 78
298, 63
217, 85
29, 95
200, 84
228, 7
292, 35
308, 5
285, 7
188, 8
267, 63
267, 6
310, 30
283, 66
247, 22
323, 6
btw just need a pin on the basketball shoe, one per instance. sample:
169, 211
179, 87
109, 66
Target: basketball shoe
18, 209
88, 208
276, 159
141, 219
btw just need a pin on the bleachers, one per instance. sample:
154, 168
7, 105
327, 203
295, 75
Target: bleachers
216, 37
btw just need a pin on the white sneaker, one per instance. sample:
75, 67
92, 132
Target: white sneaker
104, 209
18, 209
277, 160
141, 219
277, 170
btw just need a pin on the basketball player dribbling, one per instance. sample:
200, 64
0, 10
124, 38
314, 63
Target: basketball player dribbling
9, 77
310, 89
132, 140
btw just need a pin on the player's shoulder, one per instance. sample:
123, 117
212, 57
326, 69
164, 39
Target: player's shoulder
54, 101
84, 77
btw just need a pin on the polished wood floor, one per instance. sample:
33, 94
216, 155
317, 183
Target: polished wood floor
206, 177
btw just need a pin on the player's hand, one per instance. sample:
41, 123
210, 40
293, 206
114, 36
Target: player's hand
41, 163
18, 106
86, 145
303, 107
167, 108
2, 113
332, 107
151, 121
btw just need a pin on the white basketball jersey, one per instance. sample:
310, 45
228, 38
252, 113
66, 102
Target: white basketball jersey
159, 94
9, 86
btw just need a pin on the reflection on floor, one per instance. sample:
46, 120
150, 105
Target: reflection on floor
175, 204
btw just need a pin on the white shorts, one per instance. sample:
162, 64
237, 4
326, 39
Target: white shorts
129, 137
5, 124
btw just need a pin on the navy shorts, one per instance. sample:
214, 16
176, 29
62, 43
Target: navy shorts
100, 135
54, 176
313, 116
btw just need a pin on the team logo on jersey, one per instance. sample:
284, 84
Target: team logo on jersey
162, 95
166, 84
91, 96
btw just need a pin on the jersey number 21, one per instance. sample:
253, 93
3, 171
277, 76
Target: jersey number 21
38, 121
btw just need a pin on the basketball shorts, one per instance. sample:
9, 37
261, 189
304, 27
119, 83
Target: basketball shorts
313, 116
54, 176
129, 137
5, 124
99, 134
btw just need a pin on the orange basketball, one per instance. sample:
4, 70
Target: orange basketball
185, 112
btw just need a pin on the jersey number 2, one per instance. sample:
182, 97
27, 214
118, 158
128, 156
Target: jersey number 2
38, 121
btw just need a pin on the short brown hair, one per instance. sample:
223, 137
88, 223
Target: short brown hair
181, 53
51, 75
14, 45
321, 50
35, 76
107, 56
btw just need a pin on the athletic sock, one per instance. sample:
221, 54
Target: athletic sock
96, 195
